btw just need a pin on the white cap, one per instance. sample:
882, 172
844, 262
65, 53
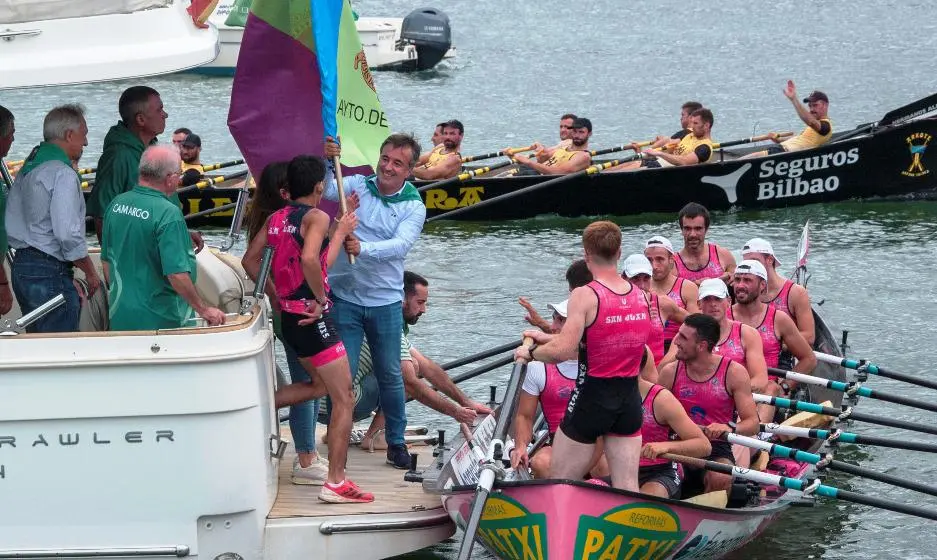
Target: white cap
659, 241
759, 245
637, 264
713, 287
559, 308
752, 267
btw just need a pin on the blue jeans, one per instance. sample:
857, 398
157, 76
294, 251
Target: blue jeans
37, 278
303, 415
383, 327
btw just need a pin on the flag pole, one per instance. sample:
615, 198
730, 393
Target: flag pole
342, 203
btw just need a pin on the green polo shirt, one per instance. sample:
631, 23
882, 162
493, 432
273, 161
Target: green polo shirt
145, 240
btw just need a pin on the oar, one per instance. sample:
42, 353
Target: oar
481, 355
848, 437
483, 369
846, 414
852, 388
507, 152
214, 166
486, 478
465, 176
796, 484
827, 462
210, 211
591, 170
751, 140
212, 181
87, 170
621, 148
869, 367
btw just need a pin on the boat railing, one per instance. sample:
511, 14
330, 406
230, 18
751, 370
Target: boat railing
8, 327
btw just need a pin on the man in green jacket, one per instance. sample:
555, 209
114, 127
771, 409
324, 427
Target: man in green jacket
7, 128
148, 261
142, 119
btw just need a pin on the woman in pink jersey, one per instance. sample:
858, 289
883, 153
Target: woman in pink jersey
608, 323
666, 429
299, 235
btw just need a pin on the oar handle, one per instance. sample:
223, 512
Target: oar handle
621, 148
214, 166
508, 152
752, 140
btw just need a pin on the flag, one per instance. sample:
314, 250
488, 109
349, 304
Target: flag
237, 17
302, 75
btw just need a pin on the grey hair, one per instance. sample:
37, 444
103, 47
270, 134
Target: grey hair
403, 140
60, 120
6, 122
158, 161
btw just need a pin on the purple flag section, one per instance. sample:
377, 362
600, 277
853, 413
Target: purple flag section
276, 101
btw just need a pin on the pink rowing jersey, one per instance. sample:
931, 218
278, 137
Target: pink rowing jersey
652, 430
284, 234
676, 294
656, 340
613, 345
557, 389
706, 402
770, 343
782, 301
731, 346
713, 268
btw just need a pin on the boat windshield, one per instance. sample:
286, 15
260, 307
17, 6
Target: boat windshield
24, 11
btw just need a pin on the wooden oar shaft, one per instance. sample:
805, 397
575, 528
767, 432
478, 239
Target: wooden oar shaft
212, 181
620, 148
481, 355
591, 170
796, 484
507, 152
849, 413
853, 388
777, 450
873, 369
849, 437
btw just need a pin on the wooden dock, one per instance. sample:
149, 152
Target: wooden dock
369, 471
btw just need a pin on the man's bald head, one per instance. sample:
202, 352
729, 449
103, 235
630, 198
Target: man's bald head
159, 168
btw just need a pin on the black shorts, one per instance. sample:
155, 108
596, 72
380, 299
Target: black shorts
650, 163
603, 406
667, 475
776, 149
319, 342
721, 450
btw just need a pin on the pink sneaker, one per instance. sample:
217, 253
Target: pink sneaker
345, 493
597, 482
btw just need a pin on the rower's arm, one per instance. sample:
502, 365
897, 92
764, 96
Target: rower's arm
670, 311
728, 263
689, 158
666, 375
524, 420
755, 359
448, 168
669, 358
799, 303
690, 293
804, 113
796, 344
438, 377
692, 441
564, 345
648, 369
739, 385
423, 392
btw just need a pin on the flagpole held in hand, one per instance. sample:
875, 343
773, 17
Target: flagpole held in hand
342, 203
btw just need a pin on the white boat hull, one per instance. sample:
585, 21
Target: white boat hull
112, 46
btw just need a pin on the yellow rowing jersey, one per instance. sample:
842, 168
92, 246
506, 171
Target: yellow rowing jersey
436, 156
561, 155
690, 143
809, 138
196, 166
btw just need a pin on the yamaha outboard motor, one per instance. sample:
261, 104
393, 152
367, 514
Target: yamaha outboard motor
428, 30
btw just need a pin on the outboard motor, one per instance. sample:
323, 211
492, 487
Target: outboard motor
428, 30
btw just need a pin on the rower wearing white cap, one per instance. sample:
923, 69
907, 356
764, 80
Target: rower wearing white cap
737, 342
637, 270
776, 328
786, 295
665, 282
